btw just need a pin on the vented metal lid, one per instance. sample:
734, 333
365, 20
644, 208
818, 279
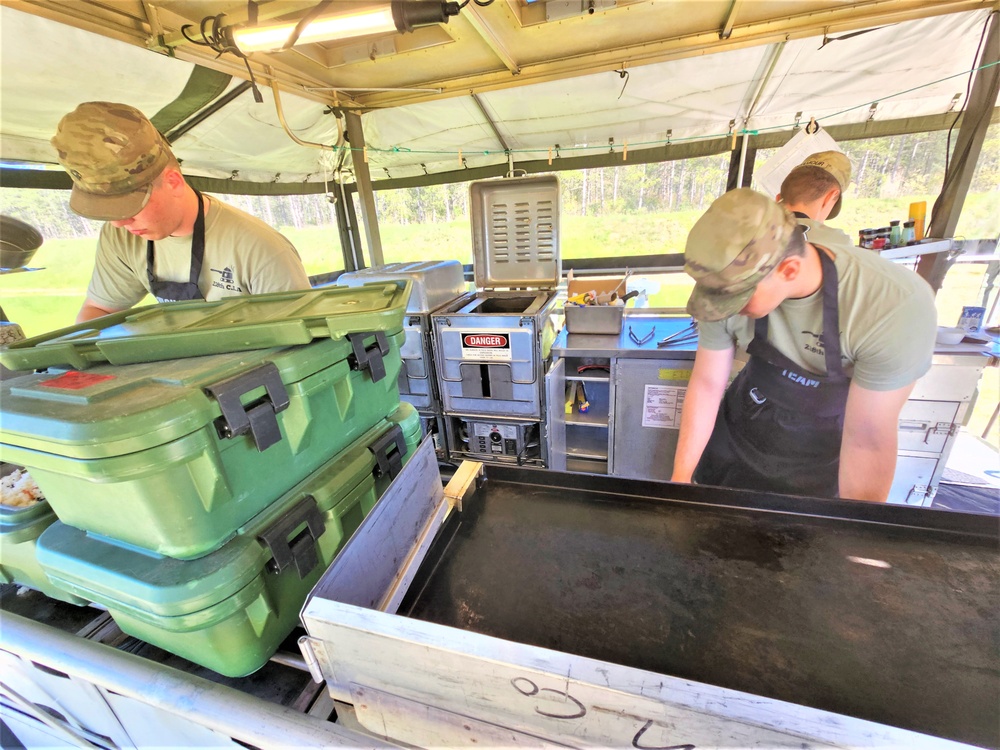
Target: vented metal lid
515, 232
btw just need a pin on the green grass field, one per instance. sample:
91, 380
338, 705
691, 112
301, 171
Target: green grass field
48, 299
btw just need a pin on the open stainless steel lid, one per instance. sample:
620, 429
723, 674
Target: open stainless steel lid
515, 232
18, 242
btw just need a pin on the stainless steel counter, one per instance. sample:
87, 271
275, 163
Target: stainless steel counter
622, 345
630, 428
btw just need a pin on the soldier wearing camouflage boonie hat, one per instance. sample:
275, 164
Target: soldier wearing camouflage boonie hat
113, 153
737, 242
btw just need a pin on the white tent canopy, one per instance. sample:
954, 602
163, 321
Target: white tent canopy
911, 69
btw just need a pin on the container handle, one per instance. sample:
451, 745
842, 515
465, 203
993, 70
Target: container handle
389, 451
371, 358
259, 418
301, 549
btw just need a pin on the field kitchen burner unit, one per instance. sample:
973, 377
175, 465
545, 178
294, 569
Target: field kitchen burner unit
435, 283
493, 344
497, 440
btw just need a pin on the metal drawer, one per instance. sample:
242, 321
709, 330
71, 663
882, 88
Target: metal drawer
925, 426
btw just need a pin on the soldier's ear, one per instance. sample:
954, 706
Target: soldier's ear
789, 268
172, 178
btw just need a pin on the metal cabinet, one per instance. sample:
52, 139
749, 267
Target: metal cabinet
633, 392
929, 423
580, 397
649, 395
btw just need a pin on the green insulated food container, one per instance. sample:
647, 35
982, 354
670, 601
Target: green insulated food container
231, 609
173, 456
19, 532
196, 328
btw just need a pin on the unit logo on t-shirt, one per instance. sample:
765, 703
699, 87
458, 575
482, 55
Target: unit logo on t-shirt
225, 280
814, 345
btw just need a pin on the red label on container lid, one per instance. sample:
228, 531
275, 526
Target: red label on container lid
75, 381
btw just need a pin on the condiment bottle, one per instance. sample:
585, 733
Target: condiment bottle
918, 212
895, 234
909, 236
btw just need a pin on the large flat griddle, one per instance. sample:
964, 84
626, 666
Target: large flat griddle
885, 613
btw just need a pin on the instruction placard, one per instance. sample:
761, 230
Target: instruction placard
489, 345
661, 406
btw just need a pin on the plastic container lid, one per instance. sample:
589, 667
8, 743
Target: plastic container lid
191, 329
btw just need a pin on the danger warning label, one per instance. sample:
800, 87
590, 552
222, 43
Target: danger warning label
486, 345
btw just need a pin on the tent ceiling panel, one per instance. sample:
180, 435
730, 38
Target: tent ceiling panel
568, 91
697, 97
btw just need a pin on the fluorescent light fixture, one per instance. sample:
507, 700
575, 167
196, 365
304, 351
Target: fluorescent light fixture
397, 16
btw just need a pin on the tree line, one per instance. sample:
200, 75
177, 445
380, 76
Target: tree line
883, 168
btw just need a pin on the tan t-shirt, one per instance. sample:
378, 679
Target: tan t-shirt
243, 255
887, 319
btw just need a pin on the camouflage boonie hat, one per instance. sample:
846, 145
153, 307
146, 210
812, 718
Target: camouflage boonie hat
113, 153
837, 166
736, 243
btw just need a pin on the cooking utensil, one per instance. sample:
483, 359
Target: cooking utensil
684, 336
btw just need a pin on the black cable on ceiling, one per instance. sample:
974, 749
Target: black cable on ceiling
214, 36
307, 19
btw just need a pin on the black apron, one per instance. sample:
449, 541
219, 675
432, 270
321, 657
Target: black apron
779, 428
173, 291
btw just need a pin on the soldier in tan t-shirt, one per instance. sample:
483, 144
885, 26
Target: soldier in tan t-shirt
836, 338
162, 236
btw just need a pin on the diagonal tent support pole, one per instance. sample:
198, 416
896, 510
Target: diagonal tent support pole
742, 158
968, 145
489, 121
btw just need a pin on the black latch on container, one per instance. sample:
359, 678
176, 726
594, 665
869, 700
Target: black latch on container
389, 451
300, 550
257, 418
369, 358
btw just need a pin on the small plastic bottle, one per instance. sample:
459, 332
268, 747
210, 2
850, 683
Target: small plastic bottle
909, 236
895, 234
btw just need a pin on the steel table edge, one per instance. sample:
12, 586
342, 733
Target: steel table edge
980, 528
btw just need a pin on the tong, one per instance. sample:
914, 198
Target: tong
645, 339
684, 336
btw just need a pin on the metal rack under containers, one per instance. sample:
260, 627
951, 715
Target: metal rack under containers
493, 344
435, 284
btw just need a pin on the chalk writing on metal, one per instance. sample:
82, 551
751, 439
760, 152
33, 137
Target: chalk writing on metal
529, 691
528, 688
638, 736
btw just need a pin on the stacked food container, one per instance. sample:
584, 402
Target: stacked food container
493, 344
435, 284
206, 460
